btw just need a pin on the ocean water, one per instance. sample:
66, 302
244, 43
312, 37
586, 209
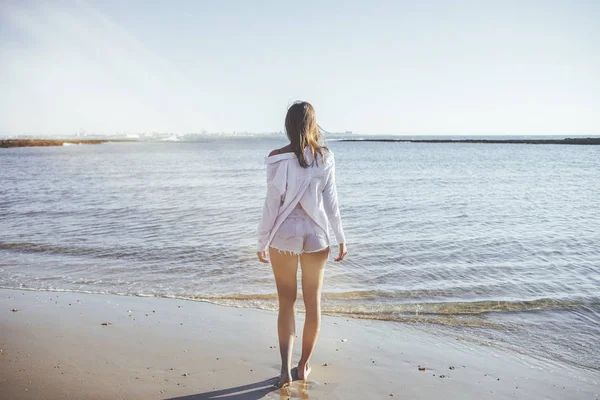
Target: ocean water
495, 243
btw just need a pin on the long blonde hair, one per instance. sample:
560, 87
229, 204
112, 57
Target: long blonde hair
302, 130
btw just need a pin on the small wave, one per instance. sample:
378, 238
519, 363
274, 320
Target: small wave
35, 247
336, 304
437, 319
476, 307
250, 301
73, 251
243, 297
424, 307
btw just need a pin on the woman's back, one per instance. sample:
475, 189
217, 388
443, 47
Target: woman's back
289, 184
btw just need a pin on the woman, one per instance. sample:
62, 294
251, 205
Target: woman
300, 205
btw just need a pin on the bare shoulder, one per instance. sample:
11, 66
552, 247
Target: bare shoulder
284, 149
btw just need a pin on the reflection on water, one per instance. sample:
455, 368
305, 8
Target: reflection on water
301, 390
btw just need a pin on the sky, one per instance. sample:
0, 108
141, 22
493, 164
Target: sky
372, 67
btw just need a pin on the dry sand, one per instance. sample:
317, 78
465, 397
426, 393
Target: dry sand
55, 347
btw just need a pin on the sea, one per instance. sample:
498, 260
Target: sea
498, 244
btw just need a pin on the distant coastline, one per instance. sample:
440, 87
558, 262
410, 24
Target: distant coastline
574, 141
9, 143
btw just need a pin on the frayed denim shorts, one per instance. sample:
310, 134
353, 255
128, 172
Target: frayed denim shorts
299, 234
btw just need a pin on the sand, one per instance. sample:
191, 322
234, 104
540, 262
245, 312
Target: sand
56, 347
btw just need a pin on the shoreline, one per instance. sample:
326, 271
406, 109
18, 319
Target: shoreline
570, 141
56, 347
12, 143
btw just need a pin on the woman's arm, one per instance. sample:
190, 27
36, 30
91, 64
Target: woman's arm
330, 203
276, 177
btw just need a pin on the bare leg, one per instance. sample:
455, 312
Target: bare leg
285, 268
313, 268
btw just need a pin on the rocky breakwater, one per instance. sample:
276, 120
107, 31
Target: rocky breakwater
8, 143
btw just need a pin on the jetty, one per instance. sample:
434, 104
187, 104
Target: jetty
572, 141
8, 143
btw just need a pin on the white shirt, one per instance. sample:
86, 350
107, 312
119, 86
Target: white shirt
289, 184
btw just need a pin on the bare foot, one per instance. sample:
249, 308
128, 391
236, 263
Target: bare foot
285, 379
303, 371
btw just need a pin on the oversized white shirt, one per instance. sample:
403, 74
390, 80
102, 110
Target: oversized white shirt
289, 184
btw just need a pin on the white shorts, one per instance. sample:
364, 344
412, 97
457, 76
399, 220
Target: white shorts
300, 234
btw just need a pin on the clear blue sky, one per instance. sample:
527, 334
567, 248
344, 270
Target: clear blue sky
395, 67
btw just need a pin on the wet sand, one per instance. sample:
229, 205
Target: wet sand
60, 345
